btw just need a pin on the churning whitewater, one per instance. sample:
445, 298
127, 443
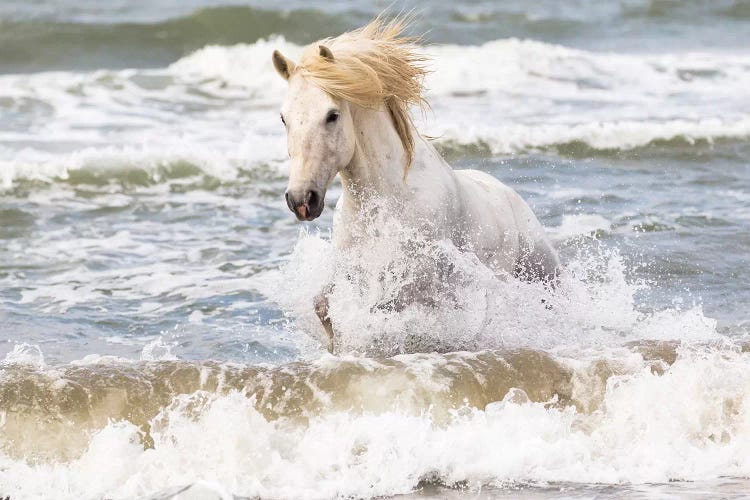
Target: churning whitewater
222, 87
359, 427
157, 334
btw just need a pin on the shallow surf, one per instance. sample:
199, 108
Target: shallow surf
156, 330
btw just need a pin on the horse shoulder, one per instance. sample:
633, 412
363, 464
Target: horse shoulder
433, 191
486, 197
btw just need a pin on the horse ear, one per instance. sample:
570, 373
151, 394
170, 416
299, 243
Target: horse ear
325, 52
283, 66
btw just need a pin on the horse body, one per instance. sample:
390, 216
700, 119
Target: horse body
346, 113
472, 209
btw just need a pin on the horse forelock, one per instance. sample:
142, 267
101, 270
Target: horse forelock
373, 66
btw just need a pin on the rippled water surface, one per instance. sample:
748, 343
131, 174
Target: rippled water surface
156, 330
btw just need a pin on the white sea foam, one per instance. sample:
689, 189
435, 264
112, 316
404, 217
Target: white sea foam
158, 350
688, 424
603, 135
520, 67
24, 354
216, 108
641, 432
580, 225
247, 66
158, 162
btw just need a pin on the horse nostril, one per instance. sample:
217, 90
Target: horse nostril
312, 199
289, 201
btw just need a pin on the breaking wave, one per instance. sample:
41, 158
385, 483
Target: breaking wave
594, 103
575, 384
354, 427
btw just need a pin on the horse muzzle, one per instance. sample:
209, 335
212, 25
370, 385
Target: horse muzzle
306, 204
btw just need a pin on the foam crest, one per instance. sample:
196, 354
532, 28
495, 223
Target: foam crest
212, 112
245, 65
535, 68
158, 350
520, 67
580, 225
604, 135
642, 434
131, 165
24, 355
77, 399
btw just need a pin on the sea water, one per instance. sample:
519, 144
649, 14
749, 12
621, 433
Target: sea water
157, 336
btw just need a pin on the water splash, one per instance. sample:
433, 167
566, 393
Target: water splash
467, 307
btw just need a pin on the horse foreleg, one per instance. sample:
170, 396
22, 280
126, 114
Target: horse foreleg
321, 309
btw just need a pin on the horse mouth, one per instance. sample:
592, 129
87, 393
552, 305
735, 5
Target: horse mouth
305, 214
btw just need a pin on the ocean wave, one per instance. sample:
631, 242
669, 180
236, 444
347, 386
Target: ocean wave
133, 167
541, 96
200, 168
592, 138
213, 112
43, 44
262, 157
581, 225
37, 37
685, 10
519, 67
355, 427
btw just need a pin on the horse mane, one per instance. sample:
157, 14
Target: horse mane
370, 66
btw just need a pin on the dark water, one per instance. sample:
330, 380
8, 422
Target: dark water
155, 319
122, 34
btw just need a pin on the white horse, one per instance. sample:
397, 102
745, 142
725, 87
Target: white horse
346, 113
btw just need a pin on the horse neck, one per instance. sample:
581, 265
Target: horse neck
377, 167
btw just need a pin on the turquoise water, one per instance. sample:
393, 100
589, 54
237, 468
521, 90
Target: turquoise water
155, 290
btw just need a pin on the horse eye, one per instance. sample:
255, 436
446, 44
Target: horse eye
332, 116
282, 119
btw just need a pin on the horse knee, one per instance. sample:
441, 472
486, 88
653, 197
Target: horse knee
320, 303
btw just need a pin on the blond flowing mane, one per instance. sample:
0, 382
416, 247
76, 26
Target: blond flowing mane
371, 66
